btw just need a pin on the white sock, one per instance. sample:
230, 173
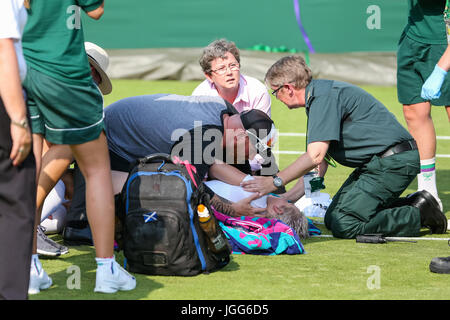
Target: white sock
105, 261
426, 179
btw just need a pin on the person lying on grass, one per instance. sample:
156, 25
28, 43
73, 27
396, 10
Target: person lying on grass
277, 207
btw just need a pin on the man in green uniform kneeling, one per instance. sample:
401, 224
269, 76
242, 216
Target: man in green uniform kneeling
354, 128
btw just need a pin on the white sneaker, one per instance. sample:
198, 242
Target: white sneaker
39, 279
112, 277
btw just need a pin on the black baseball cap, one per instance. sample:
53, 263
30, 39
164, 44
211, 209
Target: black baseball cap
260, 129
257, 121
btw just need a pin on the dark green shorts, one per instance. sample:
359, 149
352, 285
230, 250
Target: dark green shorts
64, 113
415, 62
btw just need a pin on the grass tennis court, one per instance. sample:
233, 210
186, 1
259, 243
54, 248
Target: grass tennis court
331, 269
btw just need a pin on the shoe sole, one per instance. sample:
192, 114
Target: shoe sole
110, 290
52, 254
49, 254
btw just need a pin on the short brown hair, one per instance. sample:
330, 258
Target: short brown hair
290, 69
217, 49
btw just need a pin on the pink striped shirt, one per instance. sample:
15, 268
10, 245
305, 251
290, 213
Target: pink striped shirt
252, 94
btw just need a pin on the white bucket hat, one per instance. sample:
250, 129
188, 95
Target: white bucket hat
99, 59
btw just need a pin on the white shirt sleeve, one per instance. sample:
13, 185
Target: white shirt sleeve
9, 24
235, 193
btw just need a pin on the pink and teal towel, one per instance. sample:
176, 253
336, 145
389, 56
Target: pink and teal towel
261, 236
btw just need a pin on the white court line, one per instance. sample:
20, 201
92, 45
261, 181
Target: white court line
291, 134
299, 134
301, 152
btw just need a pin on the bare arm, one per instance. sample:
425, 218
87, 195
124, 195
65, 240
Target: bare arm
296, 192
226, 173
306, 162
12, 97
312, 158
240, 208
97, 13
444, 61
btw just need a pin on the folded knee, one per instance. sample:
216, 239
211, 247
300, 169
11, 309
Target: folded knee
345, 226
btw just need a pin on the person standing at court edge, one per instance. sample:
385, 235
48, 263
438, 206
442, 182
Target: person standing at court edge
421, 46
66, 108
17, 166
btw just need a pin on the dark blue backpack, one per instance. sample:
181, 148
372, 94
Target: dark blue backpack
161, 233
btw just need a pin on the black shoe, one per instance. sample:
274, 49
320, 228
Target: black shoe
440, 265
77, 237
431, 215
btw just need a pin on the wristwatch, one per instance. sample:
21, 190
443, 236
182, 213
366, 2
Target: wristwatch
23, 123
277, 182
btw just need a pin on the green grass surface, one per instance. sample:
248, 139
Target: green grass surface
331, 269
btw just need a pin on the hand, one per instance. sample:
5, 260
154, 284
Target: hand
431, 89
261, 185
244, 208
21, 144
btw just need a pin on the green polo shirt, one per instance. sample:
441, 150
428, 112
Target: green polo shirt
426, 21
357, 125
53, 40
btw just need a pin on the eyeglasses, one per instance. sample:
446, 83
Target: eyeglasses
274, 92
266, 143
223, 69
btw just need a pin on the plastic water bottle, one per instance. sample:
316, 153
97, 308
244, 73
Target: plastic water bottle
216, 240
313, 184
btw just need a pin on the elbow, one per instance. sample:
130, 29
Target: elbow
97, 13
317, 151
317, 160
316, 157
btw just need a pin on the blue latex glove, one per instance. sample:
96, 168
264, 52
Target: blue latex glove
431, 89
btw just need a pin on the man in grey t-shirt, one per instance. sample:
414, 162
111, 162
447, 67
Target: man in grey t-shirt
200, 129
206, 131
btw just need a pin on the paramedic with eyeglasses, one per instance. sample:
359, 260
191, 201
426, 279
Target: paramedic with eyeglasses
357, 131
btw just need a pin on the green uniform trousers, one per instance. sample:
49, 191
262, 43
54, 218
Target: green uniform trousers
368, 201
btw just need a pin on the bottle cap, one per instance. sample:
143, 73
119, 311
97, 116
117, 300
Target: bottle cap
202, 211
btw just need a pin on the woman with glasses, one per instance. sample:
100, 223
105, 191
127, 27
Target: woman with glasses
220, 63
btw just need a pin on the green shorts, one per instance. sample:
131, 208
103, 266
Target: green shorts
64, 113
415, 63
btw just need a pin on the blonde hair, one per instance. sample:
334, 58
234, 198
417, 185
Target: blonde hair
294, 218
290, 69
